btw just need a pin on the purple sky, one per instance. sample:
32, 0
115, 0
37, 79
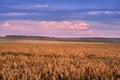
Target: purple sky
60, 18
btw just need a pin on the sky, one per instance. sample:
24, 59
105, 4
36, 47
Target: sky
60, 18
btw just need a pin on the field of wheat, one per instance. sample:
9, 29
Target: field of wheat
29, 61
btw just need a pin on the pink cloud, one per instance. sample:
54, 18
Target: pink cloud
58, 28
6, 24
64, 24
89, 32
9, 25
48, 27
69, 25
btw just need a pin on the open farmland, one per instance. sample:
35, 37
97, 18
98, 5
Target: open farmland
59, 61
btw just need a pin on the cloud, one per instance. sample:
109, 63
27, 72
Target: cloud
59, 28
109, 12
93, 13
89, 32
60, 25
51, 28
13, 14
79, 25
104, 29
103, 12
6, 24
10, 26
35, 6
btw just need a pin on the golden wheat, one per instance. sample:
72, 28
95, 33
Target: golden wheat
25, 61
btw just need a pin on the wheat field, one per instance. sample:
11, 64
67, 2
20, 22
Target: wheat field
30, 61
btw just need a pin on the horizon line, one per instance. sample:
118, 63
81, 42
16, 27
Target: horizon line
55, 36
